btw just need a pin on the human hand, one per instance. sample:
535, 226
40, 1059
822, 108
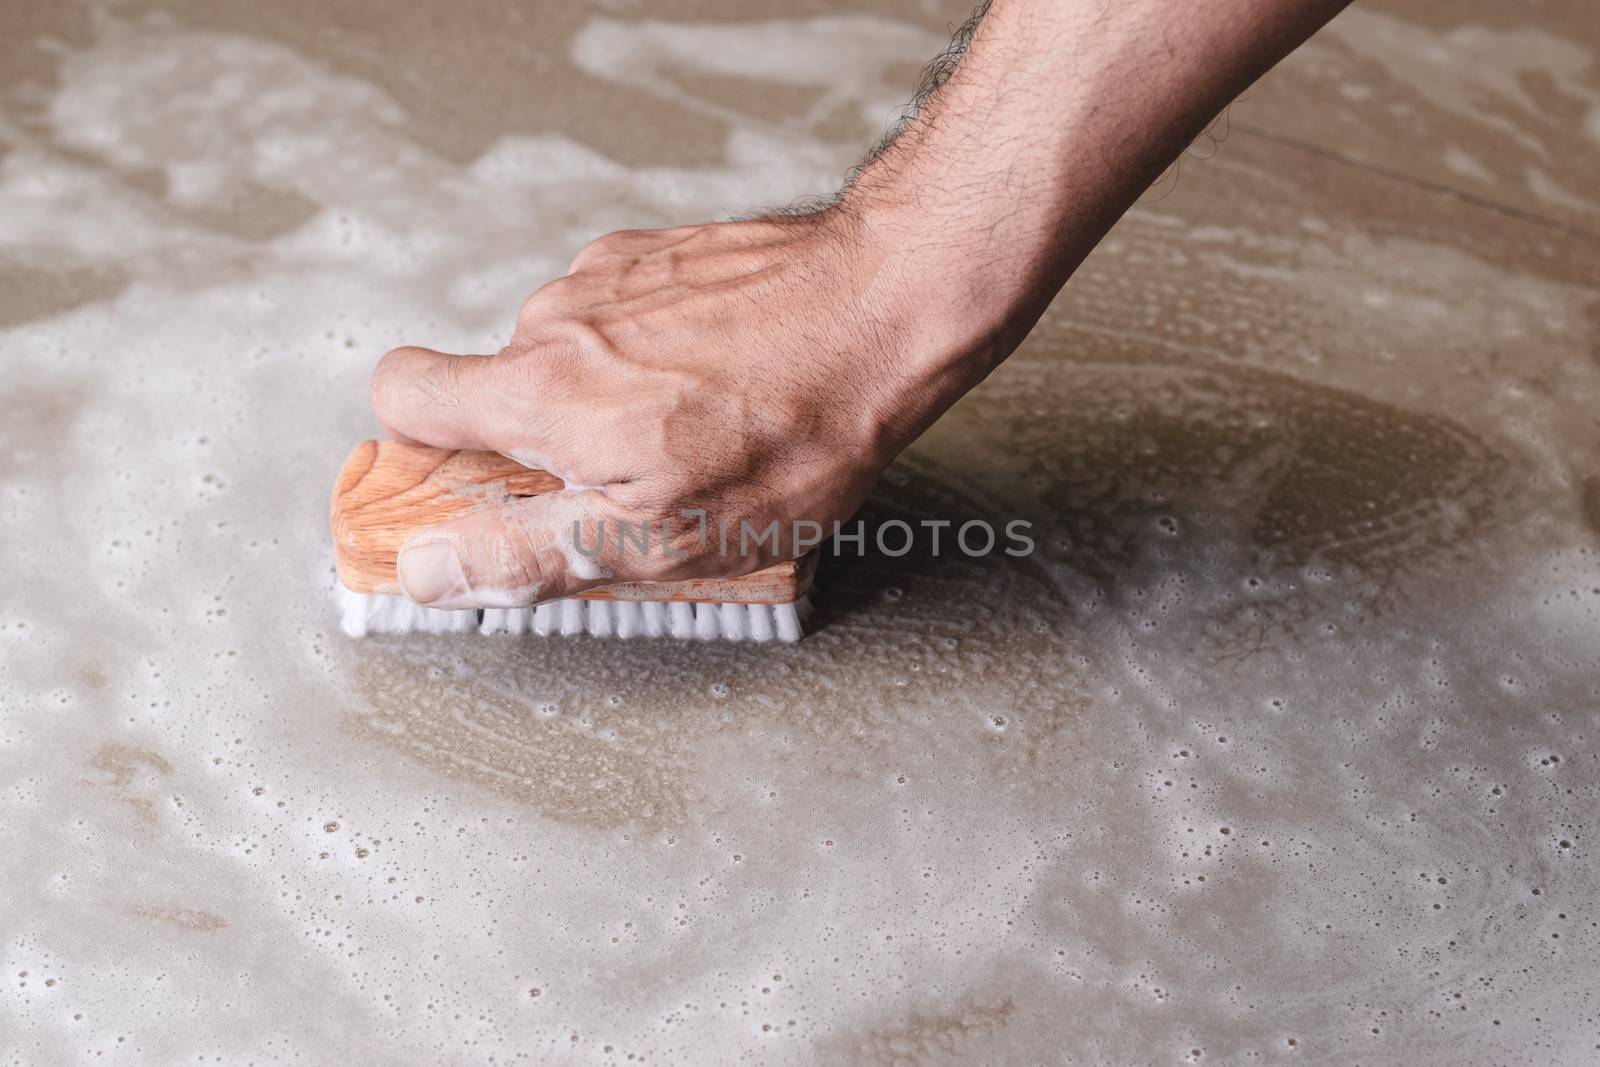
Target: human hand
755, 372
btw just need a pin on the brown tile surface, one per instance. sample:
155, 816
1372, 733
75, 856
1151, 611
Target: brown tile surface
1500, 104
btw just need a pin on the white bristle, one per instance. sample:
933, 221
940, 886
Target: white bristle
761, 622
680, 620
707, 622
733, 621
506, 620
396, 615
353, 612
625, 618
361, 614
786, 619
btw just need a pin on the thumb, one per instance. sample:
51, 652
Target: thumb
513, 555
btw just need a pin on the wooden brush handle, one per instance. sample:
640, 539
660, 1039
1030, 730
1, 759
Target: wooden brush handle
387, 491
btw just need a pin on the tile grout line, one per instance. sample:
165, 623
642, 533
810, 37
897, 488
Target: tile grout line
1474, 199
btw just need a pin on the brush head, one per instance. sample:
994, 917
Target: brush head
388, 490
362, 614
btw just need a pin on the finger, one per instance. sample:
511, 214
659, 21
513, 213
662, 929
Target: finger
521, 553
442, 400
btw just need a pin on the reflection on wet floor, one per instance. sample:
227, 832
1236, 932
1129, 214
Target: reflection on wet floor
1281, 742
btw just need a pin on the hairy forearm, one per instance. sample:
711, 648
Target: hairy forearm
1060, 115
766, 371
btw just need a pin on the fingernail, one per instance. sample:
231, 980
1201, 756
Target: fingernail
431, 572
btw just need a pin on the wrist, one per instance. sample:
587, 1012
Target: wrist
929, 323
969, 272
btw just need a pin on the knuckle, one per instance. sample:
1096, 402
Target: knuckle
538, 396
603, 247
519, 568
520, 555
608, 242
644, 539
533, 376
549, 299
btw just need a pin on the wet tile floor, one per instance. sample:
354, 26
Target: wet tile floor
1282, 745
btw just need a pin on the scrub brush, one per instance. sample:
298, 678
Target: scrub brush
388, 490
